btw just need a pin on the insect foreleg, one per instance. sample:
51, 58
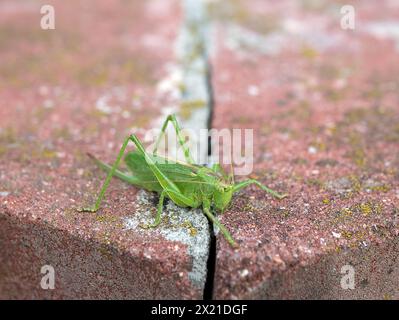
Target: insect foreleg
225, 232
248, 182
186, 150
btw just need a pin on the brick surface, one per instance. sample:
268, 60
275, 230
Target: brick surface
323, 103
82, 88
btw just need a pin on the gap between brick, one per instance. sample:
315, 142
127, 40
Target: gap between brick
211, 264
199, 86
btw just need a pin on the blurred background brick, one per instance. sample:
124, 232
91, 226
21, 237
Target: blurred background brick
323, 103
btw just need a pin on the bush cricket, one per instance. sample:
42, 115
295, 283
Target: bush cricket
185, 183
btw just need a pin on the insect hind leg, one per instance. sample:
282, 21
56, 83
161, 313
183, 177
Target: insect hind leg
172, 118
169, 187
111, 172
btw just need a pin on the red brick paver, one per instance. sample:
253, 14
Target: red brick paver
323, 103
82, 88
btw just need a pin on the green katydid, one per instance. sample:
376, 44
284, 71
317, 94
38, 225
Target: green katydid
185, 183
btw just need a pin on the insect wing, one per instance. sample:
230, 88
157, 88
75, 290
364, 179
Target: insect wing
140, 169
182, 175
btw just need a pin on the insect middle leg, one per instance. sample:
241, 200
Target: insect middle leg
172, 118
159, 212
248, 182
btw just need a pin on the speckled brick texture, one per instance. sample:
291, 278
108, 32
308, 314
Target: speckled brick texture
82, 88
323, 103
